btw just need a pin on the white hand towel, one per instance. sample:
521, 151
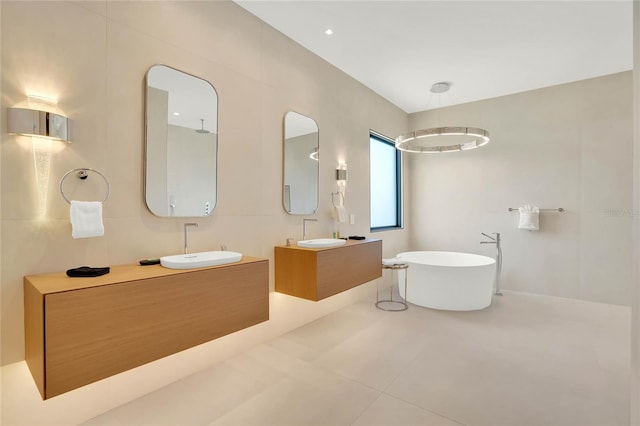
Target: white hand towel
86, 219
394, 261
529, 218
341, 213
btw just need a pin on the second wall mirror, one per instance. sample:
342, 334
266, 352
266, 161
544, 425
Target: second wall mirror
181, 143
301, 164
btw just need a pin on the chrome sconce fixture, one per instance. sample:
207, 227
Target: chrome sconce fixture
33, 122
42, 127
341, 175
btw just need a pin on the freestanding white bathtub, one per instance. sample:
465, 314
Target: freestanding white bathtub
448, 280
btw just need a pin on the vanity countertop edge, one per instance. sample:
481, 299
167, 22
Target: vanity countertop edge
56, 282
348, 244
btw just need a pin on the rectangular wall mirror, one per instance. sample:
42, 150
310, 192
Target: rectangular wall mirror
181, 143
301, 164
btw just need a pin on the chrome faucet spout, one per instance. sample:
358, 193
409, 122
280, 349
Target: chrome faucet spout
304, 227
488, 236
186, 235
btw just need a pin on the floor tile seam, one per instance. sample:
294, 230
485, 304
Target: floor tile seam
408, 366
342, 376
113, 419
248, 379
371, 325
354, 353
264, 387
294, 357
398, 397
301, 362
295, 378
365, 409
210, 415
424, 408
237, 406
382, 321
318, 353
319, 368
321, 351
275, 370
316, 364
246, 401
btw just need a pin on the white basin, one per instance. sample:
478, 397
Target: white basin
200, 260
322, 243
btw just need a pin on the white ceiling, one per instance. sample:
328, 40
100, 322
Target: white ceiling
484, 48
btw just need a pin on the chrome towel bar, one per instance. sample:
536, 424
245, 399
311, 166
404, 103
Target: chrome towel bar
559, 209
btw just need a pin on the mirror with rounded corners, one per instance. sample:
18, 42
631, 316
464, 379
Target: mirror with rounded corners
301, 164
181, 143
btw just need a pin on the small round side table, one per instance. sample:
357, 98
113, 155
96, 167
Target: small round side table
396, 305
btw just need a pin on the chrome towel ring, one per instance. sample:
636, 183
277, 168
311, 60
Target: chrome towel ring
83, 173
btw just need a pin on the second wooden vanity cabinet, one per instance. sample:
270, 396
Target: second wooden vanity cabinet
80, 330
315, 274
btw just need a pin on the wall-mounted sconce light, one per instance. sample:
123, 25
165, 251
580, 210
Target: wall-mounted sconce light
33, 122
43, 127
341, 174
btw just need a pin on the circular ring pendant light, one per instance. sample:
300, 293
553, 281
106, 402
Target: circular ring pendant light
442, 139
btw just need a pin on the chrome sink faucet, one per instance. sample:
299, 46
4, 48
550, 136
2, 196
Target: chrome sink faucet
186, 235
496, 241
304, 227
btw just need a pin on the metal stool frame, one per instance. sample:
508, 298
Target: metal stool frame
403, 303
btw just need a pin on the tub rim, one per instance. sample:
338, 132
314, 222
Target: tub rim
487, 261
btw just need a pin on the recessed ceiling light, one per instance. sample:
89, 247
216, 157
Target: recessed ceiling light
328, 31
176, 113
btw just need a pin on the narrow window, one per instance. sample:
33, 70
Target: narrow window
386, 183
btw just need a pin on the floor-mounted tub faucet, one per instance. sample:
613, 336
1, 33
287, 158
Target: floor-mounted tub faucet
304, 227
186, 235
496, 241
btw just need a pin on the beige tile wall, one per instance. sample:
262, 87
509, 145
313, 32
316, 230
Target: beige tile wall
92, 56
635, 320
566, 146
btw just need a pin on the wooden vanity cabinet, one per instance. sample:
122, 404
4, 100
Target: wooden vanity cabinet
316, 274
80, 330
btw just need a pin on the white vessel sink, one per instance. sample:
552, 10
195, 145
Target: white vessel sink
200, 260
322, 243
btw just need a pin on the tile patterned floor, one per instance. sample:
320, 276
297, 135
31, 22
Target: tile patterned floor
526, 360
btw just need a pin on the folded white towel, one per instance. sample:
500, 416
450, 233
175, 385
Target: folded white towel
529, 218
86, 219
341, 214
